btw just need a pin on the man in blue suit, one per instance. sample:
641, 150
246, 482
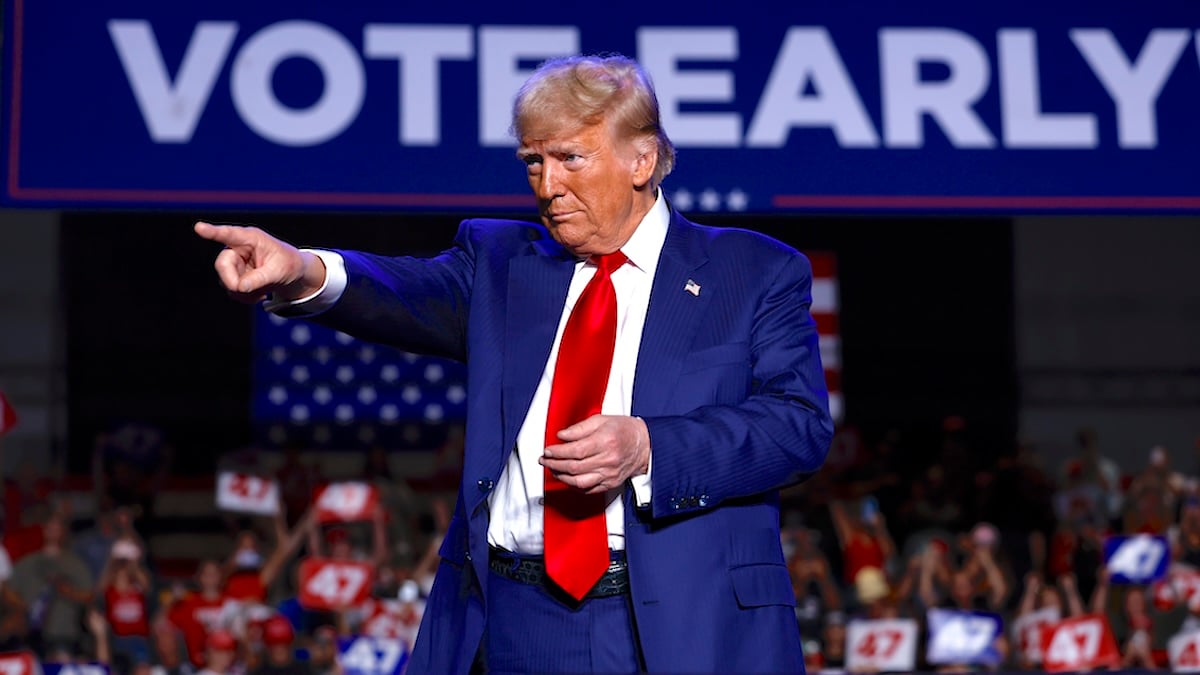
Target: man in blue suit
714, 399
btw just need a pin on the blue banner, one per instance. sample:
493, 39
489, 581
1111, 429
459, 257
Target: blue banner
372, 656
963, 637
938, 106
1137, 558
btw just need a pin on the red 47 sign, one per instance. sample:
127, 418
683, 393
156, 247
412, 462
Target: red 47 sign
1080, 643
333, 584
18, 663
344, 502
881, 645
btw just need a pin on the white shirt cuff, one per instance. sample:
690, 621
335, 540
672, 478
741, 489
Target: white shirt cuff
325, 297
641, 484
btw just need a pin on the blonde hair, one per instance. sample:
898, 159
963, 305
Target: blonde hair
572, 92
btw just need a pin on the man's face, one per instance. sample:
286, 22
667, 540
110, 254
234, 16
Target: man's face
584, 181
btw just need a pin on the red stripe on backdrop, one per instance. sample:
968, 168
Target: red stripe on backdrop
827, 323
833, 379
824, 265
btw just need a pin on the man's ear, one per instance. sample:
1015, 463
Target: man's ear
645, 163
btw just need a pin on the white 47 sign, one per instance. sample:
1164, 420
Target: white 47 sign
333, 584
881, 644
246, 493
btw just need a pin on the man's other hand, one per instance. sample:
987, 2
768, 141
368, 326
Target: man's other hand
254, 264
600, 453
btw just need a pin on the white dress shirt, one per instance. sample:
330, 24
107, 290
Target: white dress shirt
516, 502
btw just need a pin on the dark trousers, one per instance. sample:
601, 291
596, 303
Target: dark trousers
531, 631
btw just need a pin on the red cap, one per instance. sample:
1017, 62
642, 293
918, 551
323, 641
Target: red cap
278, 631
221, 640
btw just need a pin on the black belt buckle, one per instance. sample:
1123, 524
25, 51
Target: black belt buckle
532, 570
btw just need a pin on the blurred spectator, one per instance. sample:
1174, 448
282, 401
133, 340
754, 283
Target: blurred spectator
399, 501
99, 629
863, 536
125, 583
812, 581
882, 473
1077, 547
56, 587
1153, 495
297, 481
249, 572
930, 505
27, 505
94, 544
220, 653
169, 651
280, 655
1130, 621
447, 463
129, 466
323, 652
1018, 502
874, 596
984, 570
833, 641
1093, 477
426, 567
1041, 605
395, 617
14, 626
196, 614
1186, 548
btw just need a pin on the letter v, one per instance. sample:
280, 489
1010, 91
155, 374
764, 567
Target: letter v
171, 110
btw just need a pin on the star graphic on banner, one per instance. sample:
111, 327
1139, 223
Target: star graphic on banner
737, 200
682, 200
710, 200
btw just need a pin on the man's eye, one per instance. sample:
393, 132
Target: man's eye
531, 160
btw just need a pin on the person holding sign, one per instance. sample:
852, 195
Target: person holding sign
639, 389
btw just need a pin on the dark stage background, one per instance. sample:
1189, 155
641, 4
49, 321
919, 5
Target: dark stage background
926, 315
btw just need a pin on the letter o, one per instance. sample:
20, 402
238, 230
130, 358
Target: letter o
341, 95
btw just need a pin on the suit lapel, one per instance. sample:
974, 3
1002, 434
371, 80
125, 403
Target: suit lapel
673, 317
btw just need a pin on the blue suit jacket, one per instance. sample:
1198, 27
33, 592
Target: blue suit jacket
729, 382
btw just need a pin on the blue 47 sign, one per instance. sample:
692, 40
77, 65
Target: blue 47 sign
372, 656
963, 637
1136, 559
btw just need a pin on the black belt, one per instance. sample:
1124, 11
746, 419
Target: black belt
532, 570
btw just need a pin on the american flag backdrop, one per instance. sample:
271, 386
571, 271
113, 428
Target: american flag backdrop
323, 387
825, 310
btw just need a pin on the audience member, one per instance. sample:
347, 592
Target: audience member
56, 587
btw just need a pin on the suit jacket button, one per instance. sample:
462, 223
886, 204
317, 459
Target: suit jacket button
703, 500
485, 484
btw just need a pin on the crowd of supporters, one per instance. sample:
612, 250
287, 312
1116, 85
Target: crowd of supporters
875, 534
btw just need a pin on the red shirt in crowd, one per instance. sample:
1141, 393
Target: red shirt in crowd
245, 585
194, 616
126, 612
862, 550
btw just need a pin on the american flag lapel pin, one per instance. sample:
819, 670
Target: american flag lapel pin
692, 287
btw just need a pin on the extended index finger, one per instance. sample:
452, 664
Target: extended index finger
230, 235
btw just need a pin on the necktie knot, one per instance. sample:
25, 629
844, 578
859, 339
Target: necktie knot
610, 262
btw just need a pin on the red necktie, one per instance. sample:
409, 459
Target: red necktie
575, 529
